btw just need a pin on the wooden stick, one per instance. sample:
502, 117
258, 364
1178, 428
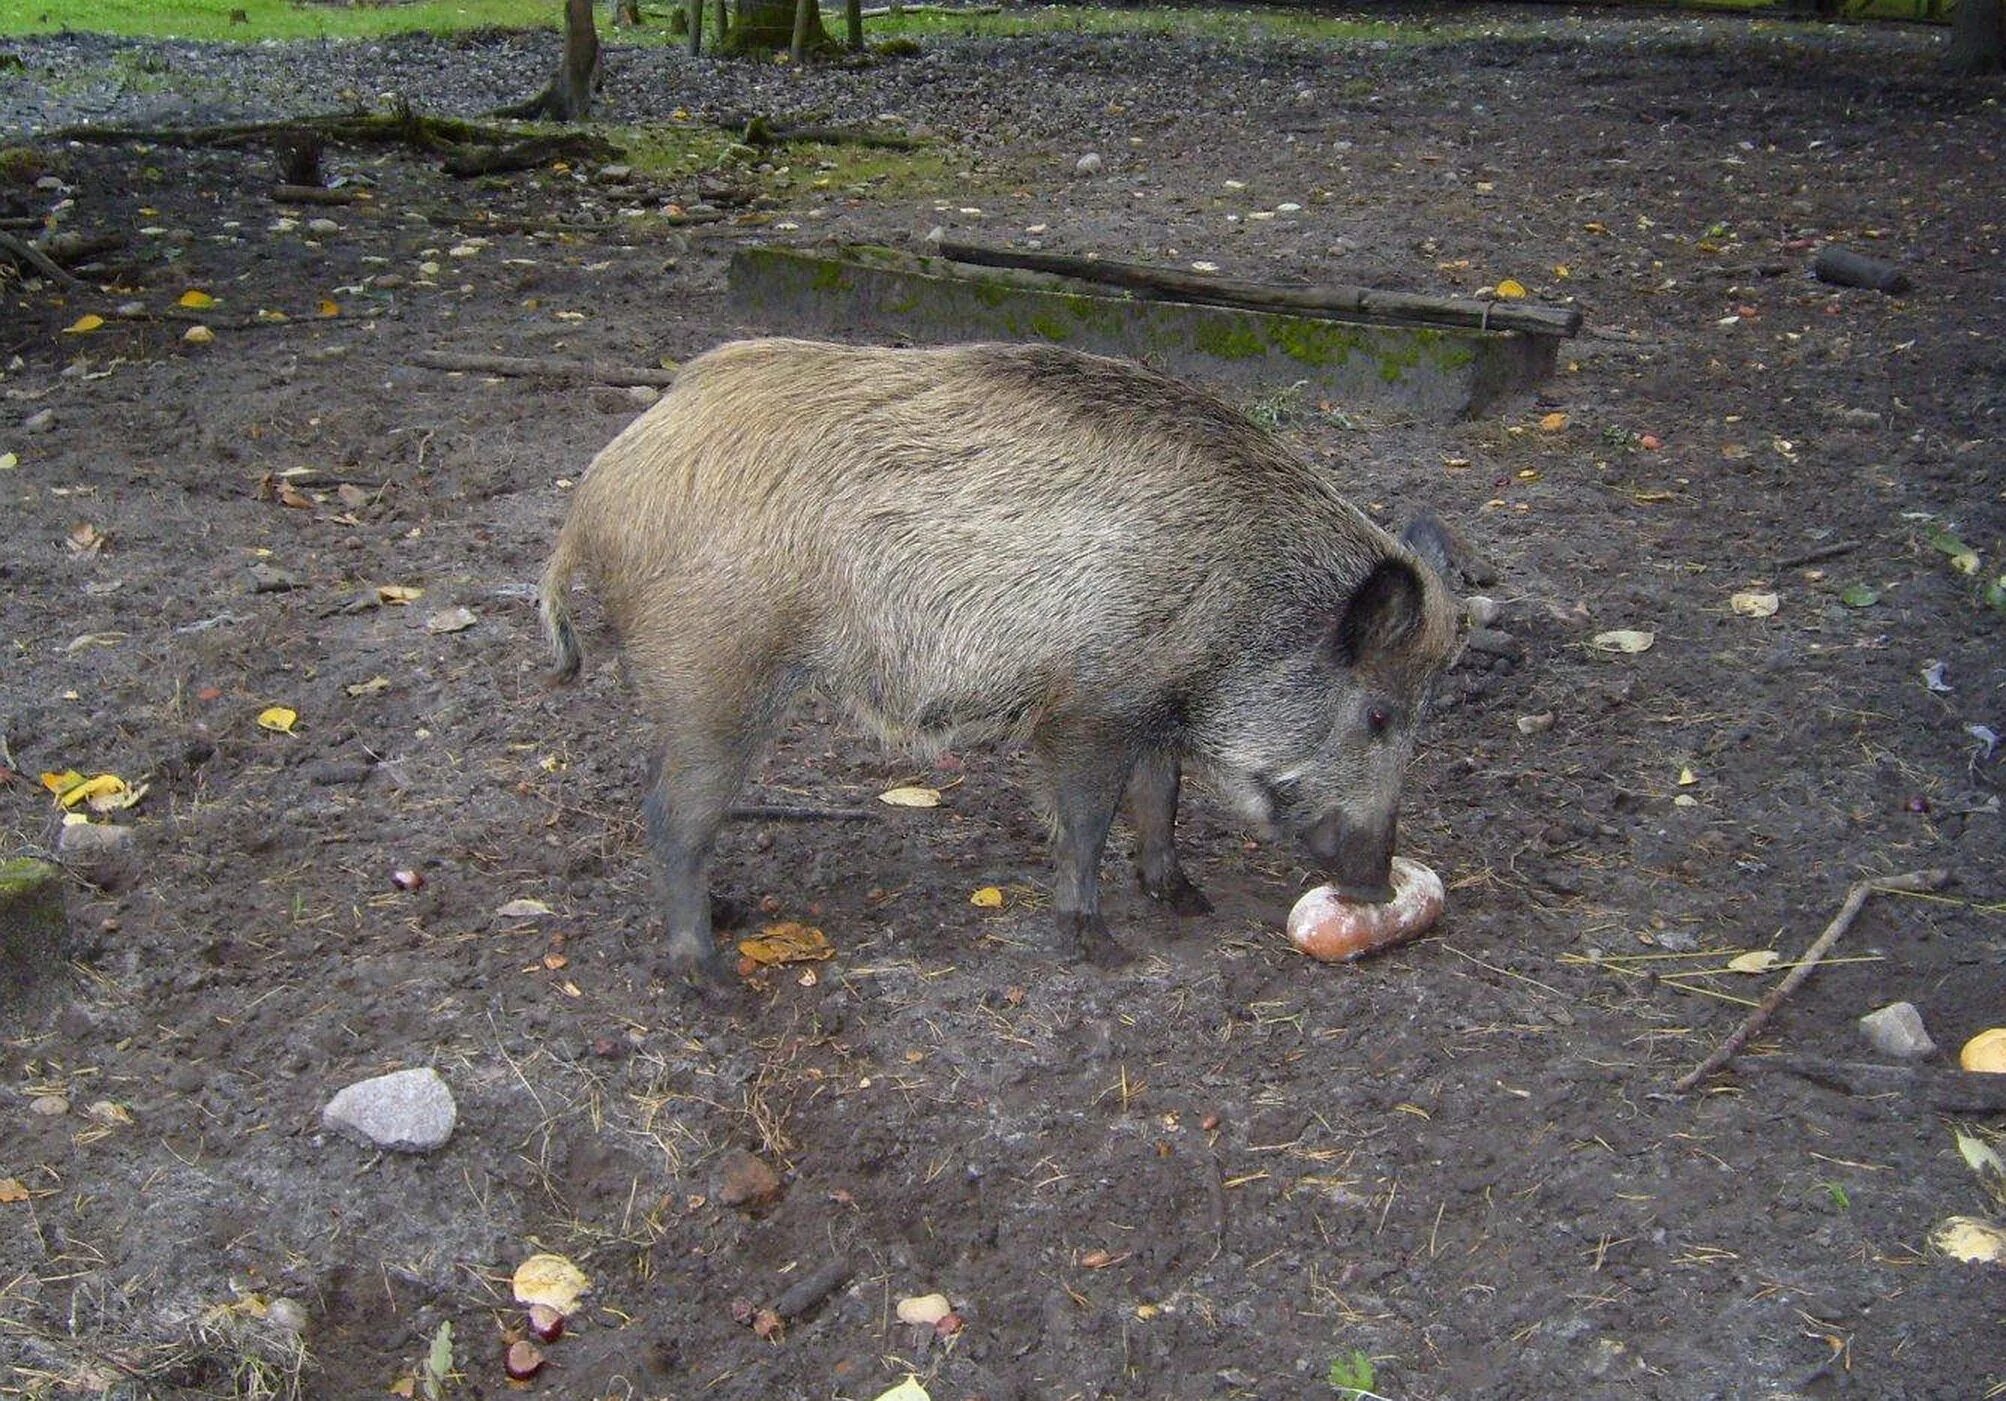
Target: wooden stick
1819, 555
791, 812
1908, 1086
1856, 897
540, 367
1370, 303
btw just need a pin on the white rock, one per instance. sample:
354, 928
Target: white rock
1896, 1030
1088, 164
407, 1111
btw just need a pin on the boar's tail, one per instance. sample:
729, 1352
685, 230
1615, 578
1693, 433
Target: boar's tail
553, 602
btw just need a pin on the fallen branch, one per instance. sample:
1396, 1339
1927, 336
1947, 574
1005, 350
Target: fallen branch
1940, 1091
314, 194
761, 131
787, 812
27, 255
1856, 897
1369, 303
543, 367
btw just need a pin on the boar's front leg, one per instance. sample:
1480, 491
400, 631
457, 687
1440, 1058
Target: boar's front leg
1087, 773
1152, 808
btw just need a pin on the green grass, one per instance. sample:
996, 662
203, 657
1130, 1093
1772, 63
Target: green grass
269, 19
298, 19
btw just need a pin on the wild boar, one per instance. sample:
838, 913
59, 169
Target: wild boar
1004, 540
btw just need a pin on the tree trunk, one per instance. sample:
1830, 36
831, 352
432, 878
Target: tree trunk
694, 19
853, 24
767, 26
627, 12
569, 96
1977, 38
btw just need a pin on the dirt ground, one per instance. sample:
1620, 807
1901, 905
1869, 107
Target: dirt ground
1213, 1174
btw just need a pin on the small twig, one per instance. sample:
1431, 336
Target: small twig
787, 812
1819, 555
540, 367
1856, 897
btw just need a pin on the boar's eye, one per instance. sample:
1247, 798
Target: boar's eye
1378, 719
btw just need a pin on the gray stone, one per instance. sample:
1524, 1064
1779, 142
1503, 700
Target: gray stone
1089, 164
1896, 1030
102, 854
407, 1111
1493, 642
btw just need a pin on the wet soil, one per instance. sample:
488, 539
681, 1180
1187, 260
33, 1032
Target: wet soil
1219, 1171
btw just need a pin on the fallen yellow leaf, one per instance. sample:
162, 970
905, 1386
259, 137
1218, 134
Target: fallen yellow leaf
911, 797
1511, 289
84, 324
62, 781
195, 300
398, 593
279, 719
1553, 422
787, 942
1755, 961
11, 1190
989, 897
551, 1280
329, 307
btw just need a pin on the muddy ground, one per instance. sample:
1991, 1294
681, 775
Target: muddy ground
1215, 1173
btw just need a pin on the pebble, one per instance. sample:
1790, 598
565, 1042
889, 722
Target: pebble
1089, 164
1896, 1030
102, 854
1493, 642
49, 1106
40, 421
615, 174
742, 1180
407, 1111
1483, 611
322, 226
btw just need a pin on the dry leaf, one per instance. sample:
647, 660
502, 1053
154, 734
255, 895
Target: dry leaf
1687, 778
457, 619
551, 1280
787, 942
1985, 1161
1755, 605
1755, 961
1985, 1053
989, 897
84, 325
279, 719
927, 1309
1511, 289
11, 1190
911, 797
1553, 422
290, 495
907, 1390
198, 335
398, 593
369, 687
1971, 1239
9, 461
85, 539
524, 908
328, 307
1629, 640
196, 301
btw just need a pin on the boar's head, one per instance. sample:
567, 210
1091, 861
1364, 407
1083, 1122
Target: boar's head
1312, 739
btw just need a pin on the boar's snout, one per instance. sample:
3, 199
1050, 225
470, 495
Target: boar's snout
1359, 858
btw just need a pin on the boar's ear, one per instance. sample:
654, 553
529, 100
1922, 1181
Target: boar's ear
1384, 613
1427, 538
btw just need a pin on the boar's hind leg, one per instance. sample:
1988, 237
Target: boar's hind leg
1087, 775
699, 774
1152, 808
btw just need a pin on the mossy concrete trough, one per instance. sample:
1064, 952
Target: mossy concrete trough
1441, 372
34, 933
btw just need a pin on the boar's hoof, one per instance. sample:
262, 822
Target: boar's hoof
1086, 936
1178, 892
